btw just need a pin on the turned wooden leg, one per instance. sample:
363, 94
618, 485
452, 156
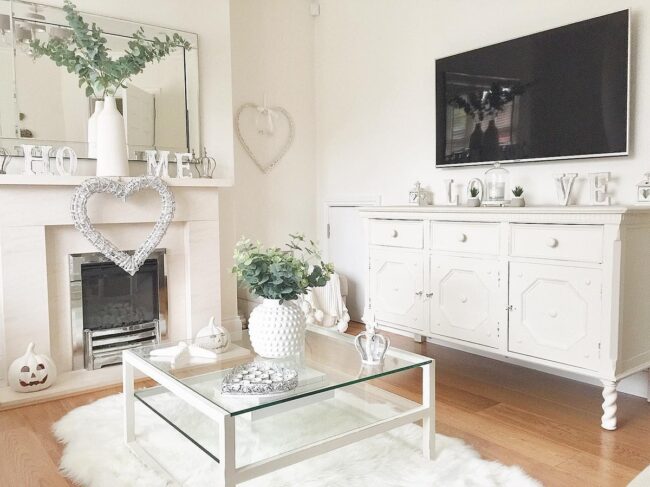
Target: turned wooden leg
608, 421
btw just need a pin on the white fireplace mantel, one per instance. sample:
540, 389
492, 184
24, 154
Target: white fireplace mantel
37, 236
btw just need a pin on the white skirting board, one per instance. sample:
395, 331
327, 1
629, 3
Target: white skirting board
636, 384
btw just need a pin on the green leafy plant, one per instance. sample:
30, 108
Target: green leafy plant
473, 191
85, 54
518, 191
274, 273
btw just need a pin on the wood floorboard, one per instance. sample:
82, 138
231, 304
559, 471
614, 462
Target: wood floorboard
547, 425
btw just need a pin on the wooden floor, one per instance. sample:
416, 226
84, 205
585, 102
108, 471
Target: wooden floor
547, 425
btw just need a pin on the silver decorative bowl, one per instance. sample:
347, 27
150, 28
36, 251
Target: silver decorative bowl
259, 378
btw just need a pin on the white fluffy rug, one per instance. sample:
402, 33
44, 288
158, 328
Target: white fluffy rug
95, 455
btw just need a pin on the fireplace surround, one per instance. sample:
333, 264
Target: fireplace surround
111, 311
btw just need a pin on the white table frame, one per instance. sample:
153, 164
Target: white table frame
230, 475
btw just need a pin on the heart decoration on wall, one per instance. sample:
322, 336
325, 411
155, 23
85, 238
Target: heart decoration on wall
130, 263
270, 113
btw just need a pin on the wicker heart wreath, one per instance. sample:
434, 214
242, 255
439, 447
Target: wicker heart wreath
130, 263
266, 165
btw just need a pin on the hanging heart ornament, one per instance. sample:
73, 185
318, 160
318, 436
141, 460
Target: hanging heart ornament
265, 165
129, 262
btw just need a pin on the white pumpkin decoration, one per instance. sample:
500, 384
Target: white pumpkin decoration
213, 337
32, 372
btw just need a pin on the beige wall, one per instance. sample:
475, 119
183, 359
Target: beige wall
272, 45
375, 99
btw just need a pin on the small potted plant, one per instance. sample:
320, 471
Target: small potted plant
277, 326
473, 200
518, 199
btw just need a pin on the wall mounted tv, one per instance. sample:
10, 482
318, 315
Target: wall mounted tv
557, 94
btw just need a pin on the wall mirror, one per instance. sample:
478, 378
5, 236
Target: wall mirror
42, 104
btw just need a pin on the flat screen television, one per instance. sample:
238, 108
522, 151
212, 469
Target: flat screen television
557, 94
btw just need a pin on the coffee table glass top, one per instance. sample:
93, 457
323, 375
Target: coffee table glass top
330, 361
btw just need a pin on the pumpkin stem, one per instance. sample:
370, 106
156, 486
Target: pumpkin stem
30, 348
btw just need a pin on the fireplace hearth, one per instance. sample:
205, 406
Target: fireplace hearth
112, 311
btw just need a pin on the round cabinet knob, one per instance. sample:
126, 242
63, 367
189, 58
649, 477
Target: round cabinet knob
462, 237
552, 242
394, 234
463, 299
553, 314
587, 282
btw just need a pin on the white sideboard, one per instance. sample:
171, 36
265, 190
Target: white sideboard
567, 288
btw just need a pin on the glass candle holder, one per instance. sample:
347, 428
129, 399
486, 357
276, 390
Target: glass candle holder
496, 184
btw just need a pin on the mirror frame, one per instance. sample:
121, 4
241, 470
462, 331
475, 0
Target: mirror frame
55, 16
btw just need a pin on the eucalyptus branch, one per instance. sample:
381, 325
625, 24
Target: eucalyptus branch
88, 57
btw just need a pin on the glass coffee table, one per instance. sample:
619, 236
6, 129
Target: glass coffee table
331, 378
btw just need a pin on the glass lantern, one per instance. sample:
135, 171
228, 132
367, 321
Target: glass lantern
496, 185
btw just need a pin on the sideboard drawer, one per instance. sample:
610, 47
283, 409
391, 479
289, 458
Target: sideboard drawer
466, 237
581, 243
397, 233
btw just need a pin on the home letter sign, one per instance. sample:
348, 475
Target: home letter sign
183, 165
159, 167
30, 158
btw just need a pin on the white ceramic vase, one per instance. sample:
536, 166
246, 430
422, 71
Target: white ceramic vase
92, 129
473, 202
277, 330
111, 141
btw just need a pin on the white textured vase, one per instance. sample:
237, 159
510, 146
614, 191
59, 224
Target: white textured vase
92, 129
277, 330
111, 141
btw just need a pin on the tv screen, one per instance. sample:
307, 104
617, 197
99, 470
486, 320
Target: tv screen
557, 94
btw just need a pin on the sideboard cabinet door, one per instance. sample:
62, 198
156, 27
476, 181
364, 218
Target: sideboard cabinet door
467, 300
397, 287
555, 313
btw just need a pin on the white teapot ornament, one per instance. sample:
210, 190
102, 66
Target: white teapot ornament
213, 337
32, 372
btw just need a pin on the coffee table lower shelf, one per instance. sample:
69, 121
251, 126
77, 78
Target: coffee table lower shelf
224, 452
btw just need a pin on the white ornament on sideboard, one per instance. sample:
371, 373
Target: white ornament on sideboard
130, 263
643, 189
112, 157
474, 192
598, 182
32, 372
564, 185
452, 199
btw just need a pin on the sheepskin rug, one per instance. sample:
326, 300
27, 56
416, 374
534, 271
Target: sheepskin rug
95, 455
